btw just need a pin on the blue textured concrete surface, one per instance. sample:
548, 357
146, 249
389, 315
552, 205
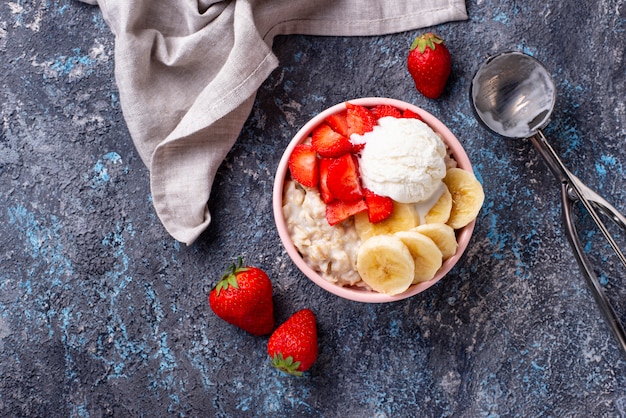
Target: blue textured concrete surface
102, 313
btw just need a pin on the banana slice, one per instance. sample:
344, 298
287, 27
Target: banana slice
443, 235
404, 217
426, 255
467, 196
440, 212
385, 264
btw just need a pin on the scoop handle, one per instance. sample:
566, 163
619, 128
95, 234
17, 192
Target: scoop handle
598, 202
576, 186
603, 302
572, 190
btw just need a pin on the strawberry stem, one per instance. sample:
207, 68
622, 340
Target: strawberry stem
429, 40
286, 365
230, 277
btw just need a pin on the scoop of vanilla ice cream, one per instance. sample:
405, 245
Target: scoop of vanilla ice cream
402, 158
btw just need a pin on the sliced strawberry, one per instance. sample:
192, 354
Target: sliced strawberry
339, 123
356, 148
338, 211
409, 114
360, 119
382, 110
303, 165
379, 207
329, 143
325, 193
343, 178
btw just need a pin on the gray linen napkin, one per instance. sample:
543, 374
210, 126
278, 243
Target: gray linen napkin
188, 71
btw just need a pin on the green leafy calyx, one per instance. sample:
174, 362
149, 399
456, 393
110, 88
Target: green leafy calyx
230, 277
429, 40
286, 365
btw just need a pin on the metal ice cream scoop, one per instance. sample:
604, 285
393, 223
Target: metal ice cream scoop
514, 95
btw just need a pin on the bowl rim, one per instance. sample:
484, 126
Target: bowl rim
352, 293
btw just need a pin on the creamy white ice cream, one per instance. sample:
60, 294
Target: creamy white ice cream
403, 159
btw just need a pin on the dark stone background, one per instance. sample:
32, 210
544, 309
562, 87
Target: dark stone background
103, 314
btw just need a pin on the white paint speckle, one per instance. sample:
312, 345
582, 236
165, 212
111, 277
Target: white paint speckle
5, 331
98, 52
3, 36
16, 8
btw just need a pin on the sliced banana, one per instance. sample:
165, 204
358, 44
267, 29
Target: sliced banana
467, 196
440, 212
443, 235
426, 255
404, 217
385, 264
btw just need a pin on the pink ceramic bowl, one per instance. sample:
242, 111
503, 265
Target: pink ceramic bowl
353, 293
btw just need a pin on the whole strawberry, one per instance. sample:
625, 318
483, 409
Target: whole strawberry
293, 346
243, 297
429, 64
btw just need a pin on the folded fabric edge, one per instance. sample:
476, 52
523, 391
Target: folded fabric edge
187, 218
455, 11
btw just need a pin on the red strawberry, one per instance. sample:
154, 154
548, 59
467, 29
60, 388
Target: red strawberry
360, 119
243, 297
339, 123
293, 346
357, 148
338, 211
409, 114
380, 111
343, 178
429, 64
303, 165
329, 143
379, 207
325, 193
